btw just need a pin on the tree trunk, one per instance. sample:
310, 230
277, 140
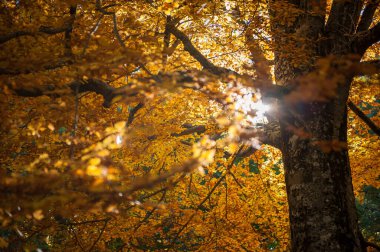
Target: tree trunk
319, 187
317, 170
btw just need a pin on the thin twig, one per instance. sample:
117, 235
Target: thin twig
133, 112
100, 234
147, 216
76, 120
364, 118
208, 195
76, 239
87, 222
93, 30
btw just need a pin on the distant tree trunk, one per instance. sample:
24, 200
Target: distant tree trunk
318, 178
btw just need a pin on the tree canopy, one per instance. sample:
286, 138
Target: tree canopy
152, 125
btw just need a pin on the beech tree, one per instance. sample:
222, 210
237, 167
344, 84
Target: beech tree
188, 125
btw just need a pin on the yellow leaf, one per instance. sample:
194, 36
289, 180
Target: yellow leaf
94, 170
94, 161
38, 215
51, 127
112, 209
233, 147
59, 163
103, 153
119, 126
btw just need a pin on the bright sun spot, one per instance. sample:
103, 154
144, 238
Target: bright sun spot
254, 110
119, 139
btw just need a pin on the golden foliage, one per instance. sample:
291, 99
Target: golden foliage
167, 175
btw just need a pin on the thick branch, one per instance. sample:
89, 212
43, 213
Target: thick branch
190, 130
261, 63
41, 30
16, 34
271, 134
166, 41
186, 79
367, 67
61, 63
133, 112
99, 87
109, 93
91, 85
268, 89
367, 16
190, 48
365, 119
343, 17
363, 40
69, 30
267, 133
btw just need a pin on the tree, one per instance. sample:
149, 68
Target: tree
217, 58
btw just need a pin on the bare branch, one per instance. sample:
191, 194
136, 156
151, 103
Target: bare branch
116, 31
149, 214
149, 181
183, 80
91, 85
114, 19
166, 42
367, 16
210, 193
99, 87
77, 239
86, 222
133, 112
165, 188
194, 129
59, 64
364, 118
261, 63
100, 234
67, 28
16, 34
103, 9
268, 89
93, 30
190, 48
42, 29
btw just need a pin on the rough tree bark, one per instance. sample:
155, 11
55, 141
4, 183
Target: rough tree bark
319, 187
318, 180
